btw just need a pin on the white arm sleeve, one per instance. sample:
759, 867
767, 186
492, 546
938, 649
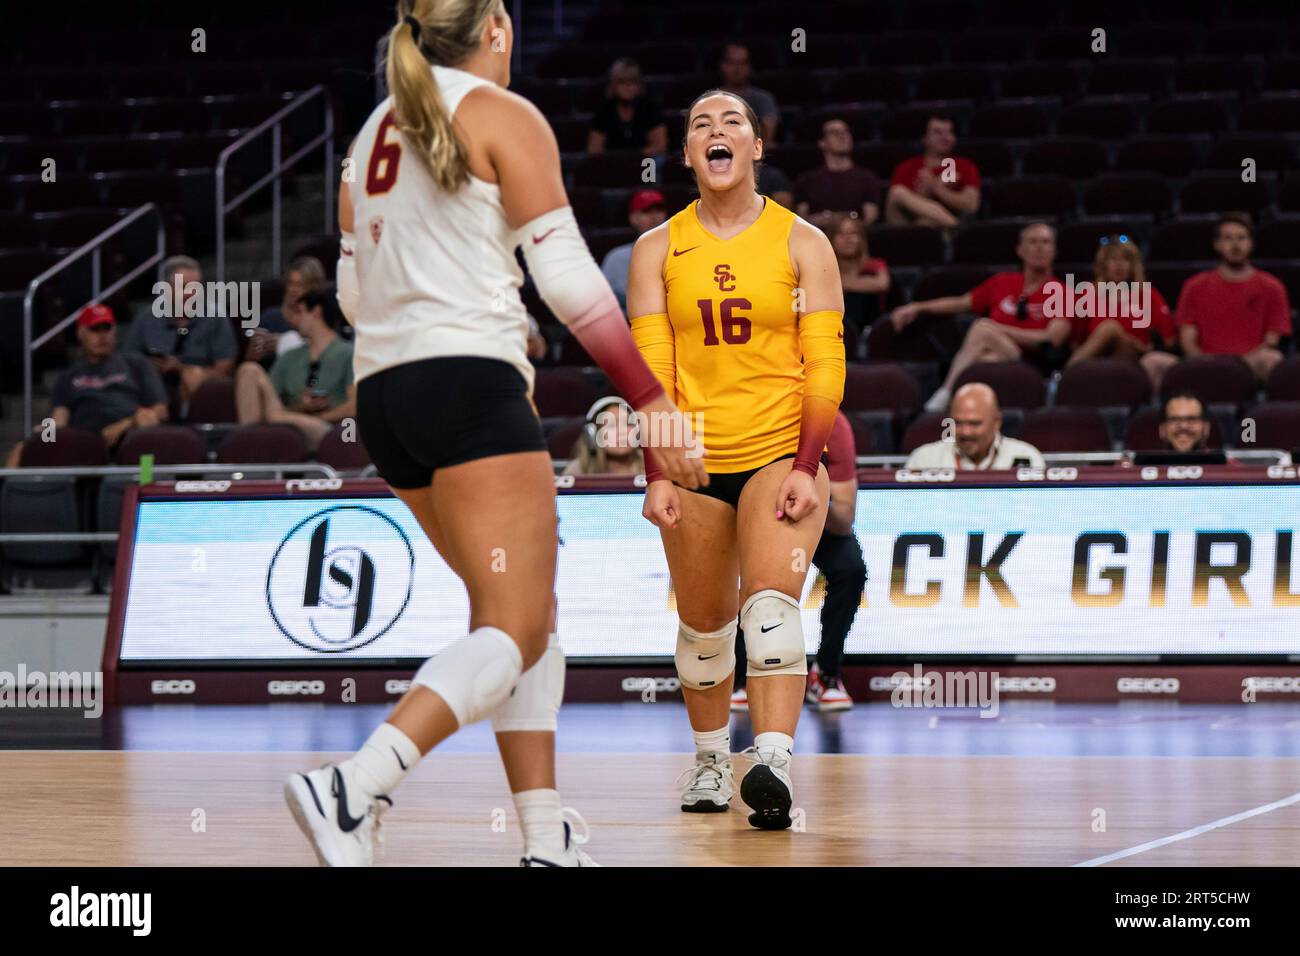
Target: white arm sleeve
345, 277
567, 277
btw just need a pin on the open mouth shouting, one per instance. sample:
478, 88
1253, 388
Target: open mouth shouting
719, 157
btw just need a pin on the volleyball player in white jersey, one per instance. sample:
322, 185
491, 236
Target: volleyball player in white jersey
452, 172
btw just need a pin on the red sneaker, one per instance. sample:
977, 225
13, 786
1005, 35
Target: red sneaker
739, 701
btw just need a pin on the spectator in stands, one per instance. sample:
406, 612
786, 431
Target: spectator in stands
1184, 427
1123, 336
274, 334
1234, 308
935, 188
978, 443
186, 350
309, 387
645, 210
1015, 325
628, 118
108, 391
772, 182
837, 185
605, 446
865, 280
734, 69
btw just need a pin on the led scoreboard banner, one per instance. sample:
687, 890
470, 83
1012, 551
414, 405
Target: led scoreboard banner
256, 590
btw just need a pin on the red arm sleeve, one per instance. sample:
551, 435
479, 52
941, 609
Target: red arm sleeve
821, 338
841, 456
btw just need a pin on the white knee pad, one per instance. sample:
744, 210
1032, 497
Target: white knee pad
474, 675
535, 702
705, 659
773, 635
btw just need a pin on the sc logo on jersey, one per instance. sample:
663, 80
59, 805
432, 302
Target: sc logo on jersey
722, 275
340, 579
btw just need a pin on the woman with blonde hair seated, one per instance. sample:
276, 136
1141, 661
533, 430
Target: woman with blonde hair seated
605, 446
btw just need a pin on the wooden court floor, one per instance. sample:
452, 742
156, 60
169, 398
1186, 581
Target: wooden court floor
157, 808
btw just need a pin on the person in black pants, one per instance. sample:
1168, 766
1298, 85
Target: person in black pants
839, 558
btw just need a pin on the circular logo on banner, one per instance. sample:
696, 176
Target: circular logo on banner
340, 579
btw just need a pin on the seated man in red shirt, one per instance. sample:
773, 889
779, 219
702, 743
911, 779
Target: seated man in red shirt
1015, 323
1234, 308
935, 188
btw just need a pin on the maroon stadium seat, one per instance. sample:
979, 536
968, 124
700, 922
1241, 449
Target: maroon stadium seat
864, 441
992, 157
1044, 79
1279, 239
1072, 156
879, 385
1184, 239
169, 445
931, 338
71, 448
1143, 433
1277, 425
1148, 76
1195, 113
906, 245
1214, 379
560, 440
1010, 120
1216, 192
1213, 74
1016, 384
1168, 155
263, 443
1270, 152
562, 391
213, 402
1122, 193
987, 242
949, 280
572, 352
1284, 381
1104, 119
343, 455
1033, 196
1103, 382
1273, 112
923, 430
1063, 429
1078, 241
882, 157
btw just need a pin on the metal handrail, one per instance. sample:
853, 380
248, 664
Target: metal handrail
94, 245
278, 168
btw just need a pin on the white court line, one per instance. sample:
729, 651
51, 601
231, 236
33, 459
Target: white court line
1195, 831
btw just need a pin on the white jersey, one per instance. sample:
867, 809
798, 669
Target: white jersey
437, 270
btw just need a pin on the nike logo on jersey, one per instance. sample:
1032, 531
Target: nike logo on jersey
682, 252
765, 628
537, 239
347, 822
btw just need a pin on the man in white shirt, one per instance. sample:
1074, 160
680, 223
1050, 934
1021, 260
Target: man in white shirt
978, 444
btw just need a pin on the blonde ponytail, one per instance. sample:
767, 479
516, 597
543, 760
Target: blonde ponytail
448, 32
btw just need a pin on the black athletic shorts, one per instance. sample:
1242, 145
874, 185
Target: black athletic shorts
435, 413
728, 485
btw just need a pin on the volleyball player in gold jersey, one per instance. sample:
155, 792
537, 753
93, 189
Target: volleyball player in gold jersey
737, 308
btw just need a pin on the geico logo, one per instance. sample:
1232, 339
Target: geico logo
313, 484
1185, 471
1027, 685
1273, 685
564, 481
663, 685
1029, 474
305, 687
1062, 474
172, 687
1147, 685
906, 681
926, 474
1281, 471
203, 486
396, 686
